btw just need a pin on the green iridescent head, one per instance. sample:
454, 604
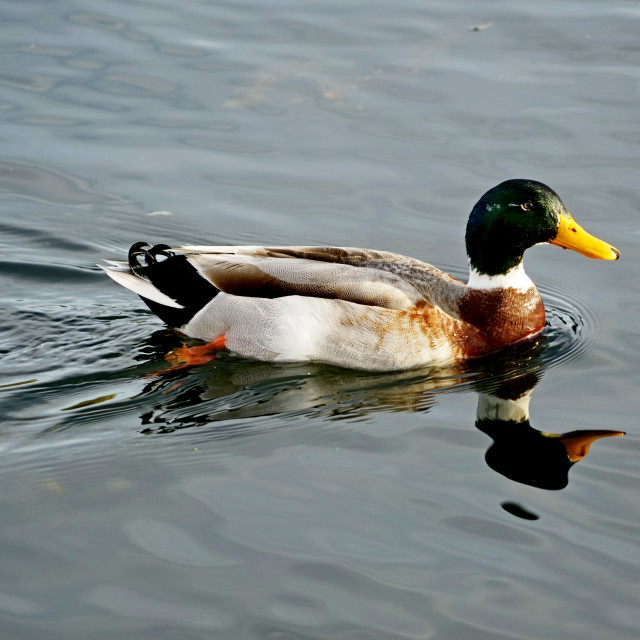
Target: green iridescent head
518, 214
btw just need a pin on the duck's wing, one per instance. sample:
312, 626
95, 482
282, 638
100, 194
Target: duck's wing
363, 276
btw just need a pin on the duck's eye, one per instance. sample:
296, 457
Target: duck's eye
526, 206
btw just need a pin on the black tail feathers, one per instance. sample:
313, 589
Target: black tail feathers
174, 276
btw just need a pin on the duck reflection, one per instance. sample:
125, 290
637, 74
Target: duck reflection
229, 389
520, 452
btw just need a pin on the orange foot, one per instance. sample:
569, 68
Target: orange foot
186, 356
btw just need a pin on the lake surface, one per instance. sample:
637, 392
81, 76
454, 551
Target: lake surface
240, 500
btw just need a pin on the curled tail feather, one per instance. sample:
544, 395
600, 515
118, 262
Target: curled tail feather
167, 283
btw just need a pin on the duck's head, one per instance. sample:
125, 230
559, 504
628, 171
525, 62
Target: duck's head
518, 214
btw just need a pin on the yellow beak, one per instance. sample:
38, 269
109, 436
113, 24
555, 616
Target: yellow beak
577, 443
572, 236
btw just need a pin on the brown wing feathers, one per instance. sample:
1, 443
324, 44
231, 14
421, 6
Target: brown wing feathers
273, 277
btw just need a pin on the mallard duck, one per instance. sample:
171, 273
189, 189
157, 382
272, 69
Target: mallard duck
362, 308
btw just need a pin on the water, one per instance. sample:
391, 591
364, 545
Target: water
250, 500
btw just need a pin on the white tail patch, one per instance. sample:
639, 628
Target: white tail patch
140, 286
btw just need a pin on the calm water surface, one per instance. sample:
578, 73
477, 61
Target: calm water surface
242, 500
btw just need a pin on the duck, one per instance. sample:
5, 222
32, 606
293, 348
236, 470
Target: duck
363, 308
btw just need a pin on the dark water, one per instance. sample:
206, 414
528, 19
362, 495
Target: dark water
248, 500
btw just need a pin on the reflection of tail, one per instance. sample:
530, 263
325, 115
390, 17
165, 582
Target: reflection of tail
168, 284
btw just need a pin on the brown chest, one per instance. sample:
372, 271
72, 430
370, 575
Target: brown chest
497, 318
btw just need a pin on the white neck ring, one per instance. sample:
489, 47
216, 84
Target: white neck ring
515, 278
